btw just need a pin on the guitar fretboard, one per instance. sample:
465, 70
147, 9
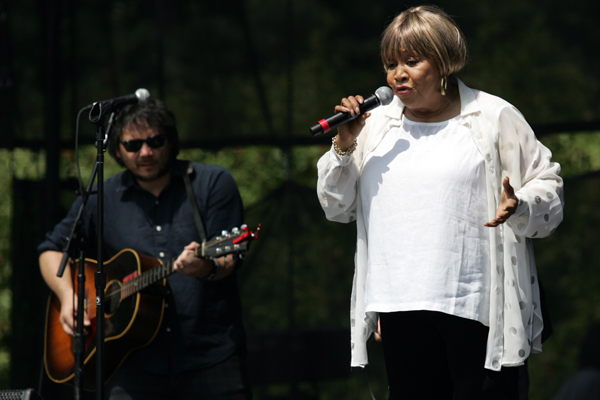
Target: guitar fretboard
236, 242
147, 278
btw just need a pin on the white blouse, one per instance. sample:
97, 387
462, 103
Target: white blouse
509, 148
424, 206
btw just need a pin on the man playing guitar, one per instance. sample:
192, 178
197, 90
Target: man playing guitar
198, 349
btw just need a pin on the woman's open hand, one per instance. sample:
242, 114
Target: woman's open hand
507, 207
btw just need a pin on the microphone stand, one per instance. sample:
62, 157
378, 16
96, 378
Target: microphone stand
76, 236
96, 117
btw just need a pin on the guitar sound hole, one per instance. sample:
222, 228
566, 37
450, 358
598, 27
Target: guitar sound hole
112, 297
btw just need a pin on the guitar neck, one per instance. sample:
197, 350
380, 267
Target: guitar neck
227, 243
139, 281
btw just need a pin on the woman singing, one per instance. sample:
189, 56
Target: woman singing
447, 185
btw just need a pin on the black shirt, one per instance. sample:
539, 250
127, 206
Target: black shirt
202, 324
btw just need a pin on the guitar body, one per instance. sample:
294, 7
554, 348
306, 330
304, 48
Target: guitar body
131, 321
133, 308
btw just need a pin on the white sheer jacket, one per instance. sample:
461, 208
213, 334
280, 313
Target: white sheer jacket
509, 148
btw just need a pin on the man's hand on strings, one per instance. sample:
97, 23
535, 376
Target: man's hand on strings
189, 264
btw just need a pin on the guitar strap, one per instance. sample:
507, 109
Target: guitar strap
193, 202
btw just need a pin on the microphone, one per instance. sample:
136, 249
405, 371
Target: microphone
101, 108
382, 97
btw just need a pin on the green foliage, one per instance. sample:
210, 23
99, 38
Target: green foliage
5, 267
257, 170
577, 153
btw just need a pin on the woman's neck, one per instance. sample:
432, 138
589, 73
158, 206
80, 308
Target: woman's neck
446, 108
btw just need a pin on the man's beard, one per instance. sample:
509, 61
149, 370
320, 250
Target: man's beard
162, 172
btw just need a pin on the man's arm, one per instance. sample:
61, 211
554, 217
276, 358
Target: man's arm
49, 263
62, 287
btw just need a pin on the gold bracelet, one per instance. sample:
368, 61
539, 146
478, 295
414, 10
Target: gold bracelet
339, 151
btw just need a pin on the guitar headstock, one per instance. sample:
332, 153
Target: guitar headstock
236, 241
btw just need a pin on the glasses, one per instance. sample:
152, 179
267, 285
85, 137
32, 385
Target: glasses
135, 145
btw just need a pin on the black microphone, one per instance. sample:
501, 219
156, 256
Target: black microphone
382, 97
101, 108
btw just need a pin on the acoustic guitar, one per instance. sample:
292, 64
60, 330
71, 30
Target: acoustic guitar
133, 306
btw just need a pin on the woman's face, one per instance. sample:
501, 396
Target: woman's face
415, 80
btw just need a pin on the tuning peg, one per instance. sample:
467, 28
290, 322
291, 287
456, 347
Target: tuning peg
224, 233
235, 230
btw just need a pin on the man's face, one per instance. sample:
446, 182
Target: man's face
152, 160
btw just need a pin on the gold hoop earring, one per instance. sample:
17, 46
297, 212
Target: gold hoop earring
444, 85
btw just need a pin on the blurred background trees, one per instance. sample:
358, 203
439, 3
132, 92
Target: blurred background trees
246, 79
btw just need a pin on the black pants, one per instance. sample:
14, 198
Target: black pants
227, 380
508, 384
433, 356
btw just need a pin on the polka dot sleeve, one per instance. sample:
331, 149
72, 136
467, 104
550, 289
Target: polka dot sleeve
533, 175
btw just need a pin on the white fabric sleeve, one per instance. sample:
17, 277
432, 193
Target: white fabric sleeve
336, 186
540, 190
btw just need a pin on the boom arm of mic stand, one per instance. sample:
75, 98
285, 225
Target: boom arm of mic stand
65, 258
67, 248
84, 198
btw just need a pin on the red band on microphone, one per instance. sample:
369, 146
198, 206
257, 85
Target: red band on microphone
325, 125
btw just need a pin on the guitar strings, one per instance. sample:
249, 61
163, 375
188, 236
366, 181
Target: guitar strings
133, 283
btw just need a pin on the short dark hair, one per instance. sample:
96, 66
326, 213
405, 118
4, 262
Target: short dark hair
429, 32
152, 114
